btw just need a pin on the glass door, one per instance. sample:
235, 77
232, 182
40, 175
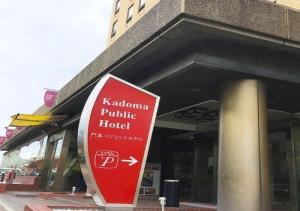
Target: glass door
282, 168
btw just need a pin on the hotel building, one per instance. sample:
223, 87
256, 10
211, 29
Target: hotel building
228, 124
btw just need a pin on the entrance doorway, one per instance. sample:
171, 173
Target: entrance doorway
190, 153
192, 161
282, 165
177, 164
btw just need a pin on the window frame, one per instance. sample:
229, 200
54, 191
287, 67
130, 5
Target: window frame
117, 6
128, 19
114, 29
142, 6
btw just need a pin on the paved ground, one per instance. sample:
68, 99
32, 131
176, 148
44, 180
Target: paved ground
15, 201
2, 208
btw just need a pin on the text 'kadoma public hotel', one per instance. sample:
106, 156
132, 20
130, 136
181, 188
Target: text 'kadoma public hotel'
228, 122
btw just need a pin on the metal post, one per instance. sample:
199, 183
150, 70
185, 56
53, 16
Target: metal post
162, 201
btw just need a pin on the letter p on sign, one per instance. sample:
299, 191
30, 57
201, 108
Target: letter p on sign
106, 159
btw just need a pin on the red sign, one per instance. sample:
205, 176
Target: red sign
2, 140
9, 133
50, 97
115, 130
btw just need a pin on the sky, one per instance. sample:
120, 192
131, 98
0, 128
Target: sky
44, 44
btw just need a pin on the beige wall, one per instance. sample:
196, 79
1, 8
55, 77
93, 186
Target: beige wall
121, 17
290, 3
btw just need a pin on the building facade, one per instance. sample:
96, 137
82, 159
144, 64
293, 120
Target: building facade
228, 124
289, 3
126, 13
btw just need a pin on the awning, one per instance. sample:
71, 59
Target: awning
27, 120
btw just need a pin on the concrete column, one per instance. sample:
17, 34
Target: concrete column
59, 178
243, 177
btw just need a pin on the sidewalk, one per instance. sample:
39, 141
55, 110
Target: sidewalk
16, 201
2, 208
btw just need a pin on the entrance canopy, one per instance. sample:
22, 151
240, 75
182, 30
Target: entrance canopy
26, 120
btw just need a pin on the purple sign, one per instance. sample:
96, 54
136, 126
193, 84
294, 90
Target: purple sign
50, 97
2, 140
9, 133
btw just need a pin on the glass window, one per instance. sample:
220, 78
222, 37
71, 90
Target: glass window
282, 172
117, 7
142, 4
114, 29
296, 140
28, 160
130, 13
